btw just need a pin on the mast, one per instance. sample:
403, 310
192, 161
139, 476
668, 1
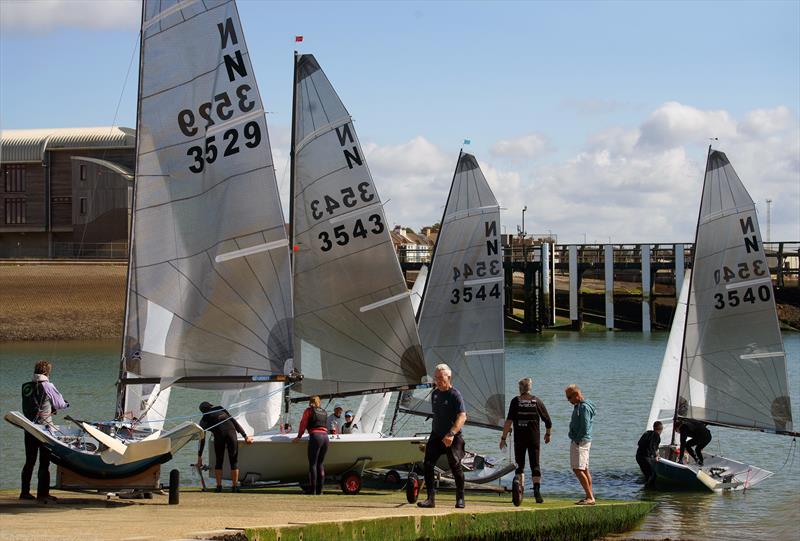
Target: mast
689, 300
121, 387
291, 165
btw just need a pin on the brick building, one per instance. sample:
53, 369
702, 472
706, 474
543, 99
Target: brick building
65, 192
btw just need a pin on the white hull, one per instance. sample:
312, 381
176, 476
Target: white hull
276, 458
717, 474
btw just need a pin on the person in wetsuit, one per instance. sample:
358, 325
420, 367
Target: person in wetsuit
525, 414
315, 420
224, 427
449, 416
694, 434
40, 401
349, 427
647, 451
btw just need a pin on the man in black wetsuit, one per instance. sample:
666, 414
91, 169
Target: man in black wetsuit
647, 451
224, 427
525, 414
449, 416
693, 434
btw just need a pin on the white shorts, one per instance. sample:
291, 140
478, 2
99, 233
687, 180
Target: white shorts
579, 455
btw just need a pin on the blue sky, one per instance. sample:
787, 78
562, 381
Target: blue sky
552, 95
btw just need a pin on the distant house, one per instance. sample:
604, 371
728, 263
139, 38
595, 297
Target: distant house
65, 191
410, 246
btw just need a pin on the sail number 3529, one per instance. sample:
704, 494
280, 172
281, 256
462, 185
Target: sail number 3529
763, 294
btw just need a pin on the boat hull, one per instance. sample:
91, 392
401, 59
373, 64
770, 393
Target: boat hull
718, 474
279, 459
86, 459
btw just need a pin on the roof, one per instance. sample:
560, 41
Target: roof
30, 145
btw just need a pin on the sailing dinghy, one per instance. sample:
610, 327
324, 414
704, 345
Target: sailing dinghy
725, 364
461, 319
208, 300
354, 328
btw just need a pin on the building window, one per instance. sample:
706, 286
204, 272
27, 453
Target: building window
15, 211
83, 206
14, 178
83, 172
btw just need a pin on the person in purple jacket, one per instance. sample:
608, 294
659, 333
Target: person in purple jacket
40, 401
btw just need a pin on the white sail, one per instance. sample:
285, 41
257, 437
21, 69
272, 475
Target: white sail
734, 366
371, 412
354, 325
146, 405
418, 289
461, 319
256, 407
209, 286
663, 406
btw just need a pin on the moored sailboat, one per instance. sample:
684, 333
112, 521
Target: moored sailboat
208, 301
725, 364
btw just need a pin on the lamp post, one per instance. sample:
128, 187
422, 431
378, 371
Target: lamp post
523, 221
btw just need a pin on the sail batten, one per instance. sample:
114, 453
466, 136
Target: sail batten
209, 297
733, 370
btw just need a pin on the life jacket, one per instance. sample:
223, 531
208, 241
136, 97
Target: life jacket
318, 419
36, 404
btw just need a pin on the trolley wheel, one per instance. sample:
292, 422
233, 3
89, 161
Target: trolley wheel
517, 490
393, 478
412, 488
351, 483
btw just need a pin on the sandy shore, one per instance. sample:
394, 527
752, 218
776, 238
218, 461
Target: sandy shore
208, 515
61, 301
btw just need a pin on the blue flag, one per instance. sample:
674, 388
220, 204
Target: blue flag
467, 141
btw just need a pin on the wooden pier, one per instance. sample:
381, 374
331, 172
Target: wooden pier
610, 286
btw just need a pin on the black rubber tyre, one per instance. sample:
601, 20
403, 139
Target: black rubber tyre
517, 492
351, 483
412, 488
392, 477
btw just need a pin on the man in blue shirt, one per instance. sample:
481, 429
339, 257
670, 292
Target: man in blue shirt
580, 435
449, 416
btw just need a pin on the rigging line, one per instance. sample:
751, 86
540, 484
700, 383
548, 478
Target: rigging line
214, 305
365, 346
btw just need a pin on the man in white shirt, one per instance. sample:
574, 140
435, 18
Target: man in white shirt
335, 420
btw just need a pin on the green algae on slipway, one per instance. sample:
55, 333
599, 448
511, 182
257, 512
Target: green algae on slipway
286, 514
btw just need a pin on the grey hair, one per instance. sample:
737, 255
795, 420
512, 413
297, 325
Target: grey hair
444, 368
525, 385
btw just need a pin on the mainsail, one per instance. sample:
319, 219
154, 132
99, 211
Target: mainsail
209, 299
461, 319
354, 325
733, 371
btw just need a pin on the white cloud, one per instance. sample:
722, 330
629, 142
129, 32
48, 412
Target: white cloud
674, 124
521, 148
638, 184
48, 15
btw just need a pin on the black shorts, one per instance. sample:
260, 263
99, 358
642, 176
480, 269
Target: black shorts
228, 441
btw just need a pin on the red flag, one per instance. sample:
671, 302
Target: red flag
298, 39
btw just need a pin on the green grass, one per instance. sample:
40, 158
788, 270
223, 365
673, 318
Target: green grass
553, 520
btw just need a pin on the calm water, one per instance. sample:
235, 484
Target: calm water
617, 371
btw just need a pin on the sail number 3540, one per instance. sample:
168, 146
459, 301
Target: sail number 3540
763, 294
